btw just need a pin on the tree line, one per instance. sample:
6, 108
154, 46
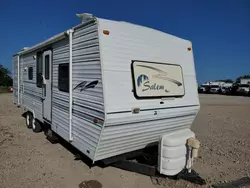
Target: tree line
5, 77
236, 81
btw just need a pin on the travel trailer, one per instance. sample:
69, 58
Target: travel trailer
245, 81
111, 88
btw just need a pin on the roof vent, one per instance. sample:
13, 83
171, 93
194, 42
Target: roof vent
25, 48
85, 17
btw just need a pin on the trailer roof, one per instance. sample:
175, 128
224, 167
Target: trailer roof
53, 39
85, 18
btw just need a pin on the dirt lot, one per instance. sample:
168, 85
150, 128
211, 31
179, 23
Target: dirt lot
28, 160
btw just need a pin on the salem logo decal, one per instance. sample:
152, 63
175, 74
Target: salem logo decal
85, 85
141, 79
144, 83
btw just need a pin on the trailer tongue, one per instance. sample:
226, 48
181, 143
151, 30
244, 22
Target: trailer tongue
173, 158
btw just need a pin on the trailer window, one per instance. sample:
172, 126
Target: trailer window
63, 77
39, 69
30, 73
47, 67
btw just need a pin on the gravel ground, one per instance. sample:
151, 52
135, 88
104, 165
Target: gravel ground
29, 160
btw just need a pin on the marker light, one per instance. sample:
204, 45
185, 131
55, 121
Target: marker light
95, 121
105, 32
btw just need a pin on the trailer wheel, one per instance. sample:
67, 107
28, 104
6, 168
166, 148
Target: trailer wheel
36, 126
28, 120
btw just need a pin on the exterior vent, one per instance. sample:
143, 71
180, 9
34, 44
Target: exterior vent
85, 17
25, 48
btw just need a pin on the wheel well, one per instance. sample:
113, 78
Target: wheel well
30, 111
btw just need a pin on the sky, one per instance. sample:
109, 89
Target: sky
219, 29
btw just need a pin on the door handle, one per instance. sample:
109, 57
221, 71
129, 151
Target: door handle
43, 86
43, 80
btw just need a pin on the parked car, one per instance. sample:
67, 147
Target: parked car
243, 89
204, 89
10, 89
214, 89
226, 87
225, 90
234, 89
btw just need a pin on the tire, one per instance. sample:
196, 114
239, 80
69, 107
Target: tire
29, 118
36, 126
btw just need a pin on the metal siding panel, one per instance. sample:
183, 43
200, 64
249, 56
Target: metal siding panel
90, 28
15, 79
126, 132
21, 79
60, 99
30, 94
87, 104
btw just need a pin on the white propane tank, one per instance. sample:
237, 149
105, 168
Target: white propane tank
172, 152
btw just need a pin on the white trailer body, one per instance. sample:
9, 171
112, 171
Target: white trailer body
110, 88
245, 81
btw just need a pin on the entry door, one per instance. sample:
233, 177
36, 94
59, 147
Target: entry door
47, 59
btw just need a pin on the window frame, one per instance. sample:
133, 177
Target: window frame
47, 67
30, 73
39, 69
60, 81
